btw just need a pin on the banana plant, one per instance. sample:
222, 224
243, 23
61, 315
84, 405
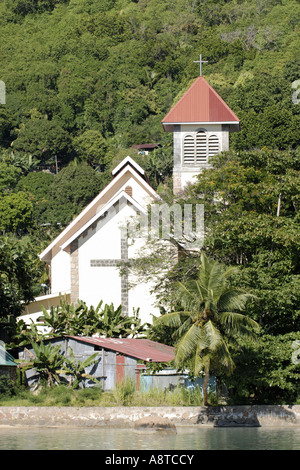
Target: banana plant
76, 369
83, 320
25, 334
47, 361
113, 324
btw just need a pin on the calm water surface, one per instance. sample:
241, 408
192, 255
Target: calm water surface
41, 438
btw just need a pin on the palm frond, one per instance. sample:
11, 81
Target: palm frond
224, 356
233, 299
237, 322
212, 335
172, 319
199, 362
188, 344
188, 296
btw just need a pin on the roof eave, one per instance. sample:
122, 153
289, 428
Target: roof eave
234, 126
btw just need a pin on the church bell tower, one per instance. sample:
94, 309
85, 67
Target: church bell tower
200, 122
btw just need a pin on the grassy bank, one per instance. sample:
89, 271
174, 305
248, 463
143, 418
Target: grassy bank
123, 395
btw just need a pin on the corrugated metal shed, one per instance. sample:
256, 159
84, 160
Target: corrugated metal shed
143, 349
116, 360
200, 104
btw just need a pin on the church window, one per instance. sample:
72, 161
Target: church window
188, 149
213, 145
199, 146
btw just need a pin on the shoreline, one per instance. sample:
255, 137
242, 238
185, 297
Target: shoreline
125, 417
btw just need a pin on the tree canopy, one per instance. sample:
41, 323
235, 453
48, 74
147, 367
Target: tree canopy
85, 81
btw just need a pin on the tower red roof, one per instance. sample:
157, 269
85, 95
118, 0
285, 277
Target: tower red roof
200, 104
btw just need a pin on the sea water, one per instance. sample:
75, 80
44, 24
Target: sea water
186, 438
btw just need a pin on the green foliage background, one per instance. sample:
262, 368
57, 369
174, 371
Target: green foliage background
87, 79
116, 67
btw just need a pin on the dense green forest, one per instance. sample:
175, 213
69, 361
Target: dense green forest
87, 79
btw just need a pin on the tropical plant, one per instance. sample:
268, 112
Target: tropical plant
18, 274
71, 319
208, 320
58, 318
76, 369
22, 333
113, 324
266, 371
47, 361
83, 320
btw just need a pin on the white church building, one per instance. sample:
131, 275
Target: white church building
84, 260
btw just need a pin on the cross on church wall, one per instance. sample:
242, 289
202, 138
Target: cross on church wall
200, 62
123, 261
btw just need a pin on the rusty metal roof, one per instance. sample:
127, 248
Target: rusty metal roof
200, 104
144, 349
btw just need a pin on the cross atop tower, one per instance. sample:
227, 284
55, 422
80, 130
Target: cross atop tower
200, 62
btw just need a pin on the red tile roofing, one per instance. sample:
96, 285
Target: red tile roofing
143, 349
200, 103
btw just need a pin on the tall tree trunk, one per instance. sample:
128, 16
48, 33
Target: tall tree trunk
205, 383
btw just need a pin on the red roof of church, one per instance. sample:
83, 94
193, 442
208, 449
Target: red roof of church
201, 103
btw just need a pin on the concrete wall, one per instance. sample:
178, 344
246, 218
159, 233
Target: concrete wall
224, 416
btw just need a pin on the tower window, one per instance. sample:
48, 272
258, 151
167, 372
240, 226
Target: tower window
199, 146
189, 149
213, 145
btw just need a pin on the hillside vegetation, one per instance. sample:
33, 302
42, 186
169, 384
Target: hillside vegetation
87, 76
88, 79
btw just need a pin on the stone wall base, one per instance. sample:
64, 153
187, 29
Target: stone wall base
221, 416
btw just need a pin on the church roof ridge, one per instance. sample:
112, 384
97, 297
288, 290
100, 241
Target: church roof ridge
128, 161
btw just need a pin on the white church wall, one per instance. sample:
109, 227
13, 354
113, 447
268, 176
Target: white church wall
60, 272
141, 300
142, 295
96, 283
100, 283
187, 177
104, 284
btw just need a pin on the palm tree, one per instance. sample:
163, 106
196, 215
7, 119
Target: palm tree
209, 319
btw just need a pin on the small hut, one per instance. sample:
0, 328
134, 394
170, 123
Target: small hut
118, 359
